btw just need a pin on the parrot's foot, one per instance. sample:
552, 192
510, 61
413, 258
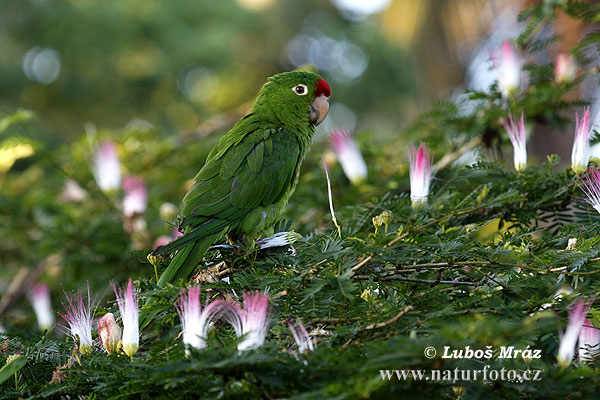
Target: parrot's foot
212, 274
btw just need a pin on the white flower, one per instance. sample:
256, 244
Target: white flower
421, 162
195, 321
167, 211
107, 169
79, 316
565, 69
349, 156
72, 192
566, 350
252, 322
279, 239
127, 301
508, 66
580, 156
302, 338
135, 201
516, 132
589, 341
39, 297
109, 333
590, 184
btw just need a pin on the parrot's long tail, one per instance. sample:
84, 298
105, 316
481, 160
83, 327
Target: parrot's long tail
190, 249
186, 259
181, 266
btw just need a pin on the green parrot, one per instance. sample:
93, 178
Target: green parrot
252, 171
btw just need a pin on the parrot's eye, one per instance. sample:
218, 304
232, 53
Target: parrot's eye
300, 89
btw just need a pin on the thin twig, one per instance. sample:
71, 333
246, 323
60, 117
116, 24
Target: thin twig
339, 229
449, 158
426, 281
22, 280
388, 322
378, 325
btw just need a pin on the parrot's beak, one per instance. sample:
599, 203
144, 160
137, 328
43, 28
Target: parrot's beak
318, 109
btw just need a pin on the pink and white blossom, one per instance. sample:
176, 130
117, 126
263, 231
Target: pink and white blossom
301, 337
162, 240
565, 68
508, 65
590, 184
580, 156
566, 350
109, 333
106, 167
135, 201
589, 341
79, 314
195, 320
39, 297
517, 135
127, 300
251, 322
349, 156
421, 171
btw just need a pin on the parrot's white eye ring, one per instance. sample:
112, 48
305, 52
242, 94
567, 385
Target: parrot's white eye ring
300, 89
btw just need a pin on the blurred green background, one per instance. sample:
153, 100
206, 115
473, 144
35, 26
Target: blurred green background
175, 64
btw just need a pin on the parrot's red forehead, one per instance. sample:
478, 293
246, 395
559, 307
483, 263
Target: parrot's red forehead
322, 88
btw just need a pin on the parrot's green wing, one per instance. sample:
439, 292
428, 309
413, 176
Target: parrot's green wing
242, 173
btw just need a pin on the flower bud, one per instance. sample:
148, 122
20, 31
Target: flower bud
167, 211
107, 168
348, 154
109, 333
421, 170
136, 196
508, 65
565, 69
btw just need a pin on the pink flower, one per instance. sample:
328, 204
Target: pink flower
136, 196
566, 350
580, 156
301, 337
565, 69
39, 297
590, 184
349, 156
107, 169
109, 333
127, 301
166, 239
252, 322
79, 315
177, 233
589, 341
421, 163
516, 133
195, 321
508, 65
162, 240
